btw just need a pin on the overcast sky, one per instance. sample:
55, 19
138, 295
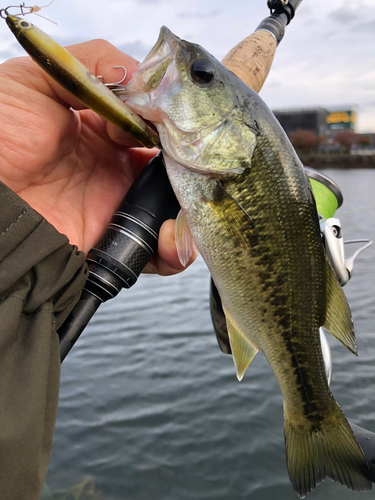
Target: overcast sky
327, 57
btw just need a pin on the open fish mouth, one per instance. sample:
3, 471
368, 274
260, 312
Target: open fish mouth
163, 49
155, 75
152, 70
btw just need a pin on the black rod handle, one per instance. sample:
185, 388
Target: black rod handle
76, 322
124, 249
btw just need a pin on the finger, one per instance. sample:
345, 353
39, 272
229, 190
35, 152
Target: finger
166, 262
139, 158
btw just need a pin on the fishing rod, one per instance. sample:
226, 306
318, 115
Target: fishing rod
251, 59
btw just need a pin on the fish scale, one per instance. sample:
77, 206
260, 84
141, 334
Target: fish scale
276, 285
245, 274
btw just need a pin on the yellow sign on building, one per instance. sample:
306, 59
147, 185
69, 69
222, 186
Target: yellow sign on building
341, 120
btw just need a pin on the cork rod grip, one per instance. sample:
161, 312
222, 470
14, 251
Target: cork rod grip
252, 58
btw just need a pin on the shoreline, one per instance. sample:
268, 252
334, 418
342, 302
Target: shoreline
321, 161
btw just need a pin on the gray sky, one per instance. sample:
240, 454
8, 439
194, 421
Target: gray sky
327, 57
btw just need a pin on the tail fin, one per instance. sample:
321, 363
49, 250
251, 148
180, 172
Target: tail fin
321, 450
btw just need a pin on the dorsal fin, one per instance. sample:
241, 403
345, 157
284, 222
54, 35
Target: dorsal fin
338, 320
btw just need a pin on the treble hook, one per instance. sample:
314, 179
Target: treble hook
115, 85
25, 10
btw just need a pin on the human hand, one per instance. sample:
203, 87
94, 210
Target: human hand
60, 158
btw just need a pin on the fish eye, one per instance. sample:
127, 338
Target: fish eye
202, 71
24, 24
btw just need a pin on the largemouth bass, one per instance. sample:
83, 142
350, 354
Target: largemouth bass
248, 206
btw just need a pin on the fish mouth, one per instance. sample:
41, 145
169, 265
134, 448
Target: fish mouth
154, 75
163, 50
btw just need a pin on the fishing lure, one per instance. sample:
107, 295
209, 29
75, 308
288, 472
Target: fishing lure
74, 77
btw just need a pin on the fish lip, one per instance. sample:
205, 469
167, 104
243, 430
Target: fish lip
162, 52
166, 40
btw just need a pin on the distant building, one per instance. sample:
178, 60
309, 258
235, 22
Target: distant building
319, 120
313, 119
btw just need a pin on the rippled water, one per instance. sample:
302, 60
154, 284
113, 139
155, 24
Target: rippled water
150, 408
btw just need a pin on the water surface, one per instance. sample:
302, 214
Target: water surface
150, 408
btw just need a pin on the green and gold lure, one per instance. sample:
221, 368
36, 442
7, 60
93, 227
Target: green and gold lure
74, 77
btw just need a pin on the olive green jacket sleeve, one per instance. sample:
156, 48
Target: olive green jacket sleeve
41, 278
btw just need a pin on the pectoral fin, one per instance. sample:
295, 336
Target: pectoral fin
184, 240
338, 320
236, 222
242, 349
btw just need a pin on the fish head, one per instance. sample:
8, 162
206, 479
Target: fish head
195, 105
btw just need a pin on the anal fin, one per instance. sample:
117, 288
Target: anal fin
242, 349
